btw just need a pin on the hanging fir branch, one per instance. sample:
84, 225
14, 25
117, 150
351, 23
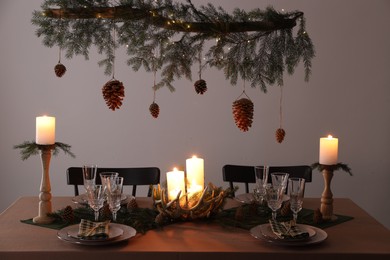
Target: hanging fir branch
28, 149
258, 45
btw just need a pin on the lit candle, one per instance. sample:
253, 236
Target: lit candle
195, 174
175, 183
45, 130
328, 150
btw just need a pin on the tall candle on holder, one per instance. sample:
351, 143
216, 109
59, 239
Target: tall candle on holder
328, 150
175, 183
45, 130
195, 174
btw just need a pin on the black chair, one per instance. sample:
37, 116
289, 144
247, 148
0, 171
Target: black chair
131, 177
246, 174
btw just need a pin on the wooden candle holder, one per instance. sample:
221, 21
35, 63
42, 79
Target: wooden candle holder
327, 195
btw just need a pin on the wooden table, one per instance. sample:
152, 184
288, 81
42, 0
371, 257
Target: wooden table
361, 238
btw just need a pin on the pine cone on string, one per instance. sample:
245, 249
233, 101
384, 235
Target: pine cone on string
280, 134
285, 210
59, 70
243, 113
200, 86
68, 214
113, 94
154, 109
105, 212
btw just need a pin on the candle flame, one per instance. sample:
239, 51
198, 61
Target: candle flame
330, 136
175, 169
194, 156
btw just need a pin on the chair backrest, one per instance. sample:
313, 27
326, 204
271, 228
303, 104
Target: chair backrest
246, 174
131, 176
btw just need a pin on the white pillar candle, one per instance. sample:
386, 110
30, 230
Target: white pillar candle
45, 130
328, 150
195, 174
175, 183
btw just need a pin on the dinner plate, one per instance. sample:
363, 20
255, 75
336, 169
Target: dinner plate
248, 198
113, 233
128, 232
264, 232
82, 199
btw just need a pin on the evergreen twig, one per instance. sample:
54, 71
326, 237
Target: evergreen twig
28, 149
335, 167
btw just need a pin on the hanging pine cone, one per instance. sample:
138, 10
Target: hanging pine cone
154, 109
132, 204
105, 212
243, 113
280, 134
68, 214
113, 94
60, 70
200, 86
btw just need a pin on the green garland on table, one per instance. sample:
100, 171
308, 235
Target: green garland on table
31, 148
335, 167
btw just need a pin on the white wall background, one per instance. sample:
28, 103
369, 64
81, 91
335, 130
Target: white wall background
348, 95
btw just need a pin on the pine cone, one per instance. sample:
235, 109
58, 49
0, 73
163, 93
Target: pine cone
280, 134
200, 86
68, 214
154, 109
239, 213
105, 212
243, 113
132, 204
113, 94
161, 219
60, 70
285, 210
317, 217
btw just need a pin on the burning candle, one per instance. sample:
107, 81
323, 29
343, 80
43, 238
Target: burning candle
195, 174
45, 130
175, 183
328, 150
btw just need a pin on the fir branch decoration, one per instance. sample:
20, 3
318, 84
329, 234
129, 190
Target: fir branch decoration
31, 148
336, 167
257, 45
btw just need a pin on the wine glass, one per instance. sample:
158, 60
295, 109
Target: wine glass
89, 175
96, 199
279, 179
296, 188
106, 176
261, 173
274, 196
114, 194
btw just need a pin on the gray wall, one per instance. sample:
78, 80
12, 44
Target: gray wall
348, 95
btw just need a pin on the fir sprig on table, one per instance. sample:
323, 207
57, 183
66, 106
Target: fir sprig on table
28, 149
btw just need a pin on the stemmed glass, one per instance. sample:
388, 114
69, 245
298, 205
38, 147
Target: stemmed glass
114, 194
274, 196
89, 175
279, 179
261, 173
96, 199
296, 188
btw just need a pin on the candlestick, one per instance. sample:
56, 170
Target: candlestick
175, 183
328, 150
45, 189
327, 195
195, 174
45, 130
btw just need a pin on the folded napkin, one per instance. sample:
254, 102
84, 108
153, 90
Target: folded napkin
93, 230
287, 230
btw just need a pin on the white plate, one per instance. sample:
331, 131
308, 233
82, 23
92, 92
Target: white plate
264, 232
128, 232
113, 232
82, 199
247, 198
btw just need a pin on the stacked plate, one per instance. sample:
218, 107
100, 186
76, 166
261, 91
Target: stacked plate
264, 232
117, 233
